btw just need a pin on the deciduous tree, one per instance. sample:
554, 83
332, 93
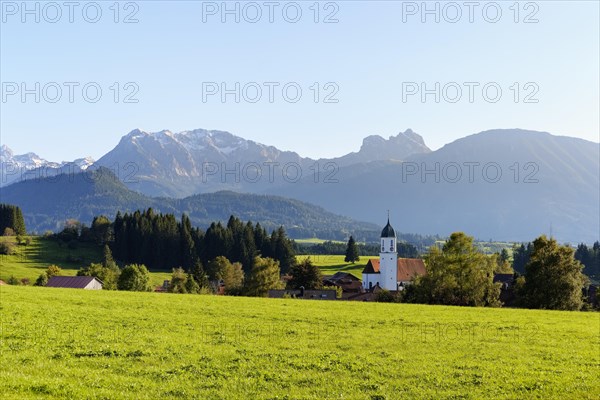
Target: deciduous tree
553, 278
263, 277
457, 275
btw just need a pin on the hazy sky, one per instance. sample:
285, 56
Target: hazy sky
375, 61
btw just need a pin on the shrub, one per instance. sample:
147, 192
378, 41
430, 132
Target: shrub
134, 277
13, 280
8, 232
53, 270
42, 280
7, 248
178, 280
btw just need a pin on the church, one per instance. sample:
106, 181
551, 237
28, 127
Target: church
390, 272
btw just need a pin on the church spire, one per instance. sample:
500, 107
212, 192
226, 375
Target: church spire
388, 231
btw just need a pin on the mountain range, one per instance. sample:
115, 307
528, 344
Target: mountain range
507, 184
15, 168
200, 161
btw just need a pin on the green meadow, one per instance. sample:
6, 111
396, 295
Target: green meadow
330, 264
77, 344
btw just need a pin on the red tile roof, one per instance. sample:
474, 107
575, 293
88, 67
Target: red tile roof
372, 266
408, 268
76, 282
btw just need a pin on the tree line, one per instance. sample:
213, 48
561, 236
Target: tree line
161, 242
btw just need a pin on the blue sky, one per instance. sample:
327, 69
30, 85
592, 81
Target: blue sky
371, 57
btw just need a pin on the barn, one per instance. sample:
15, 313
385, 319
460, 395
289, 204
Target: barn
75, 282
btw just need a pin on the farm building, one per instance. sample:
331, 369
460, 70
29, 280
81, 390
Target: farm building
75, 282
349, 284
390, 272
345, 280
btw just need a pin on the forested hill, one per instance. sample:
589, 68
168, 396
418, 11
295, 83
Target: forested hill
47, 203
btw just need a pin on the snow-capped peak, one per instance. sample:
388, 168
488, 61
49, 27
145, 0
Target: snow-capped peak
195, 140
15, 166
82, 163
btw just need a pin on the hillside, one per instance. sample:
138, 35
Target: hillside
67, 343
47, 203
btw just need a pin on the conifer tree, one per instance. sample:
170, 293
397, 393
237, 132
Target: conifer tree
352, 251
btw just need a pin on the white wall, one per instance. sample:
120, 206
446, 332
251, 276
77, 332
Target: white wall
94, 285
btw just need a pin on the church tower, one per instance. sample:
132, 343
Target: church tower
388, 259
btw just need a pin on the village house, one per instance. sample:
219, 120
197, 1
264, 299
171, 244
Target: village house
75, 282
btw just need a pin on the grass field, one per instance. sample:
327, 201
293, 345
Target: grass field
330, 264
68, 343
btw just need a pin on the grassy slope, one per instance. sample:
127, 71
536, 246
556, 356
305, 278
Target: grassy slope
61, 343
30, 261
